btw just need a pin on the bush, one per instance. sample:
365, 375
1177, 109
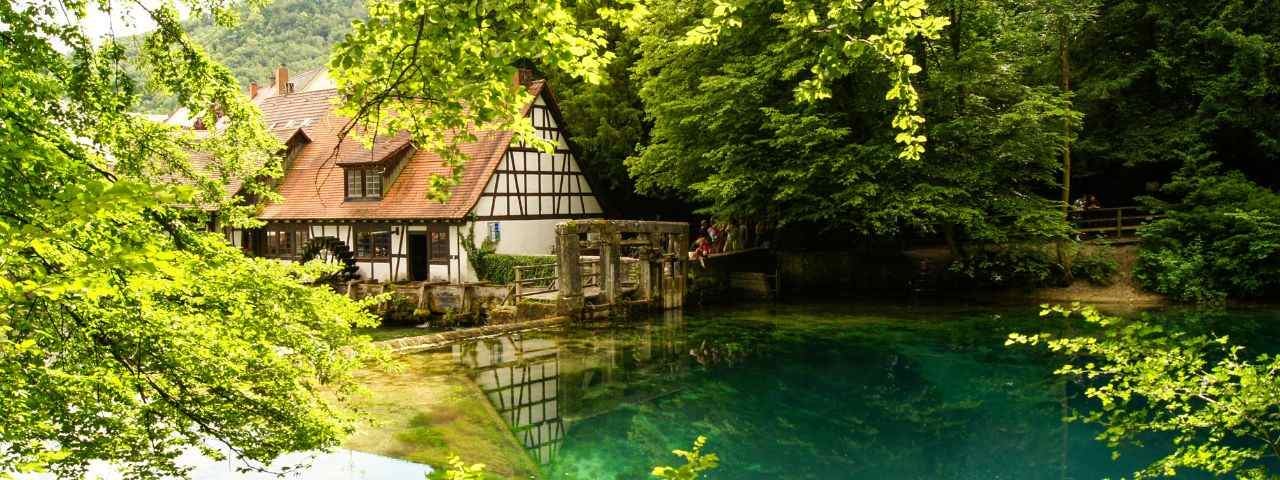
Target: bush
1009, 267
499, 268
398, 309
494, 267
1098, 267
1220, 239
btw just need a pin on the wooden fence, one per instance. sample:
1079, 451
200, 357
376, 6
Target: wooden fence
1113, 222
533, 280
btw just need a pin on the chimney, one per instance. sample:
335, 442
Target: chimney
522, 77
253, 89
282, 81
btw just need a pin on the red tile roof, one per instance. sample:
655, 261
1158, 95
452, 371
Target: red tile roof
313, 185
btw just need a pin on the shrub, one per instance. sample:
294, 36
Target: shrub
1009, 267
1098, 267
494, 267
695, 463
397, 309
1220, 239
499, 268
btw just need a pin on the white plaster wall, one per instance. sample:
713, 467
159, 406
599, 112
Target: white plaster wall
459, 261
341, 232
236, 238
522, 237
438, 273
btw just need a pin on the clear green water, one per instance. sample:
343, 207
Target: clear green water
806, 392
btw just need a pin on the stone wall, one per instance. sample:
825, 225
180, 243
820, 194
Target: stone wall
845, 272
436, 340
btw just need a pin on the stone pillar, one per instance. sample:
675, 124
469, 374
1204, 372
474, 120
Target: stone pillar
682, 268
569, 270
650, 270
610, 267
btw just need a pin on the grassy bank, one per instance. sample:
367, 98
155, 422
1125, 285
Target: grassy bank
1124, 288
428, 410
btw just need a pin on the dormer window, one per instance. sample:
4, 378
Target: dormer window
364, 183
294, 145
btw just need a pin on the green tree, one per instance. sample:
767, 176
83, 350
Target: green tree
997, 128
296, 33
729, 131
605, 119
128, 333
1221, 406
1219, 238
1165, 82
434, 68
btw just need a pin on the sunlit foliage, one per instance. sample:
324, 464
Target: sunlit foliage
1218, 402
128, 333
434, 68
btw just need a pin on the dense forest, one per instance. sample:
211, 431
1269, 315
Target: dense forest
296, 33
1167, 105
1027, 106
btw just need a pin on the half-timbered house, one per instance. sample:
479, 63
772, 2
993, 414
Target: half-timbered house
372, 201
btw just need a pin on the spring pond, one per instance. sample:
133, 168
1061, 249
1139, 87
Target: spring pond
805, 392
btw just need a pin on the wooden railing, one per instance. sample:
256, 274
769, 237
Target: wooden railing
590, 272
533, 280
1114, 222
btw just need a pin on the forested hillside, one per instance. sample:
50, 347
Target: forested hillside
297, 33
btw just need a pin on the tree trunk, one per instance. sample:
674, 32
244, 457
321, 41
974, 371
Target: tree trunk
1064, 69
949, 232
957, 37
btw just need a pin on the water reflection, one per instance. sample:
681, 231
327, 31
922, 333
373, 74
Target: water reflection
521, 378
540, 382
796, 392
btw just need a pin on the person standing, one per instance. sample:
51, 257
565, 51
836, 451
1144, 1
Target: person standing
732, 237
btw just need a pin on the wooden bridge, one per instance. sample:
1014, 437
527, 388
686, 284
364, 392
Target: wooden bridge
1114, 224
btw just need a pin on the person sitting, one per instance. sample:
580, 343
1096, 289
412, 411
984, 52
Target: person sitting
701, 248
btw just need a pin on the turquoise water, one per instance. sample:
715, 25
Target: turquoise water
807, 392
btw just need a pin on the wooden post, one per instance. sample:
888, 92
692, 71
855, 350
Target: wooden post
519, 277
569, 279
651, 269
610, 267
682, 266
1119, 222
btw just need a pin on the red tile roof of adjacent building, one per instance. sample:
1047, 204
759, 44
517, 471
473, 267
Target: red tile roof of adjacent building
313, 184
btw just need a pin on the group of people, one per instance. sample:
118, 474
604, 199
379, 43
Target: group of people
1087, 202
729, 236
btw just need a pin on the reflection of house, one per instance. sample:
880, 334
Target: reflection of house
373, 200
521, 377
623, 366
540, 389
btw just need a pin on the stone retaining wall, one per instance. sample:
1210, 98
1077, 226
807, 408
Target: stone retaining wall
436, 340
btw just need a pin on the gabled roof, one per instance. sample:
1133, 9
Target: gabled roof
313, 187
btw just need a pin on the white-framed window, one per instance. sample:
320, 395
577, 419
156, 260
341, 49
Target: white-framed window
364, 183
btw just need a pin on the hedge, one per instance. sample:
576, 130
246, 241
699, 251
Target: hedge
499, 268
